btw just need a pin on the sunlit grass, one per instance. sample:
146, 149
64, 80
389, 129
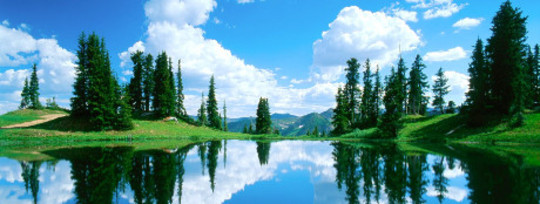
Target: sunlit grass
25, 115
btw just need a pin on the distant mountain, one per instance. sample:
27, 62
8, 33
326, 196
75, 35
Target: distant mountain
288, 124
328, 114
308, 123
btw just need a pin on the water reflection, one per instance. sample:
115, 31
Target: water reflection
270, 172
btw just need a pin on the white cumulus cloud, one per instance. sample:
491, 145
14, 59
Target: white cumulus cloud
467, 23
361, 34
193, 12
452, 54
405, 15
437, 8
173, 30
55, 65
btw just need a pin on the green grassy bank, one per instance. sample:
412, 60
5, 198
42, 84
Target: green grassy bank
440, 129
452, 128
26, 115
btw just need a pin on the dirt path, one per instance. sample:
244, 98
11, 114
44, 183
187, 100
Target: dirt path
44, 119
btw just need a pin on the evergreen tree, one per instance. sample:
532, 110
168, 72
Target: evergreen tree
135, 84
25, 95
375, 100
164, 102
440, 89
367, 103
390, 124
316, 132
478, 98
148, 81
276, 131
245, 130
340, 118
263, 122
99, 96
201, 114
214, 120
225, 125
532, 77
122, 120
180, 110
250, 130
536, 80
79, 103
506, 51
417, 87
33, 89
172, 91
351, 92
451, 107
402, 78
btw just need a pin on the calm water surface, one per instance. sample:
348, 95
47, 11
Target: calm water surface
264, 172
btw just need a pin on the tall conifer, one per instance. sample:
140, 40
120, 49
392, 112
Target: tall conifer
352, 92
25, 96
201, 114
180, 110
79, 103
367, 103
440, 89
33, 89
135, 84
148, 81
506, 51
417, 87
263, 122
214, 120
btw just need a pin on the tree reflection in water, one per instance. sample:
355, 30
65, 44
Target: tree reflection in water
364, 173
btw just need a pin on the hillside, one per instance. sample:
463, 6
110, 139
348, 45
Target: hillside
290, 125
452, 128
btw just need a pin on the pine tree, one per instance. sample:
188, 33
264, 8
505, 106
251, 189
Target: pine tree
478, 98
440, 89
367, 103
245, 130
417, 87
377, 93
97, 86
225, 125
316, 132
506, 51
390, 124
33, 89
164, 102
451, 107
340, 119
402, 78
250, 131
123, 114
148, 81
172, 90
180, 110
263, 122
135, 84
214, 120
201, 114
25, 96
79, 103
536, 80
352, 92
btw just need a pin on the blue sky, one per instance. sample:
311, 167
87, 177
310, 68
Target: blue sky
292, 52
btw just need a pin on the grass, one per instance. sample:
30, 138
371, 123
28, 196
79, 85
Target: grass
433, 129
25, 115
452, 128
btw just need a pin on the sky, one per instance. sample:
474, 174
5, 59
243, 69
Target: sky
290, 51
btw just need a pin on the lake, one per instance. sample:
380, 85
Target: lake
269, 172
